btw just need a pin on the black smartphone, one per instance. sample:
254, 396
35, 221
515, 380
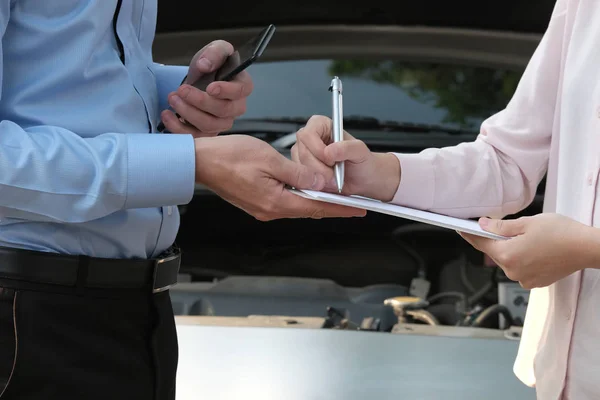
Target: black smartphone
238, 61
241, 59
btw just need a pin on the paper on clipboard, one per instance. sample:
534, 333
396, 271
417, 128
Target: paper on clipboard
457, 224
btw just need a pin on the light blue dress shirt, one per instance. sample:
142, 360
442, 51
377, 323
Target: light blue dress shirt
82, 170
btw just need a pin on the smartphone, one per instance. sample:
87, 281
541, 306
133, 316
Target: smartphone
241, 59
238, 61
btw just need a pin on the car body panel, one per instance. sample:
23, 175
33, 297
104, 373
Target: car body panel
425, 43
510, 15
218, 362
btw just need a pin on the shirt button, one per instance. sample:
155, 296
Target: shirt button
568, 315
590, 179
169, 210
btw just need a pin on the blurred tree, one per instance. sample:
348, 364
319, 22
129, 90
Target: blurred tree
468, 94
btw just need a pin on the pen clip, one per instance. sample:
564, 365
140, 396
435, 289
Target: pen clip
336, 85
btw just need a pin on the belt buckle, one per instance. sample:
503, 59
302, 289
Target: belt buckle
165, 274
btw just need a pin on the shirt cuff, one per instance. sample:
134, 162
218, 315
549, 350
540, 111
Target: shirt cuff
160, 170
417, 182
168, 79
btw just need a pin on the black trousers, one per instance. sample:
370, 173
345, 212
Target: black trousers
60, 343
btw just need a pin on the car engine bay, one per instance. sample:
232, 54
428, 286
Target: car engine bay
375, 273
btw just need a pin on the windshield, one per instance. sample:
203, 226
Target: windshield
454, 96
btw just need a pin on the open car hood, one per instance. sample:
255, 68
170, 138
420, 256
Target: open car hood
511, 15
500, 36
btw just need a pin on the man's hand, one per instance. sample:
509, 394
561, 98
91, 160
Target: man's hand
541, 250
213, 111
369, 174
250, 174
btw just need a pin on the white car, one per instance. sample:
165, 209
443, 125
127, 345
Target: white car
363, 308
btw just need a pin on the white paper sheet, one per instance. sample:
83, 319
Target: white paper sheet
457, 224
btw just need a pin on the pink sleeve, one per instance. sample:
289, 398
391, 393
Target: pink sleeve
499, 172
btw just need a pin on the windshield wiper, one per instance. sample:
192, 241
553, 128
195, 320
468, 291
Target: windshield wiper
371, 123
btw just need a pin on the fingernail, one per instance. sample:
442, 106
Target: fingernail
318, 182
204, 63
484, 221
174, 100
215, 90
184, 92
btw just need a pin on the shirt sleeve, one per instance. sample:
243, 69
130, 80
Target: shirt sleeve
52, 174
168, 79
498, 173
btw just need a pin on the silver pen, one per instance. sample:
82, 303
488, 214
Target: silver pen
338, 128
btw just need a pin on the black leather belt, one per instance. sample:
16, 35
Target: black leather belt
157, 274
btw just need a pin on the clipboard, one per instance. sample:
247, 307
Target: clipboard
443, 221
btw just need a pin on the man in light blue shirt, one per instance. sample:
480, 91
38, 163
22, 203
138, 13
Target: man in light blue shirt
89, 189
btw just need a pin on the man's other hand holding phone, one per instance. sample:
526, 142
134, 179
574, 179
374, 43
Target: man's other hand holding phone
212, 112
243, 170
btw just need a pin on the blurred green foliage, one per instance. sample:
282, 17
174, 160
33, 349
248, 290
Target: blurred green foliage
467, 94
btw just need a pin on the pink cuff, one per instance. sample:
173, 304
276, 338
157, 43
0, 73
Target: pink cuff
417, 180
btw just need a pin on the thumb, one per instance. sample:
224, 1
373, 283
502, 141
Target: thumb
209, 59
298, 175
507, 228
355, 151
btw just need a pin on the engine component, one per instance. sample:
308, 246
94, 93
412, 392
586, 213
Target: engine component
423, 316
403, 303
465, 286
460, 307
419, 287
240, 296
412, 307
491, 311
515, 298
340, 319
